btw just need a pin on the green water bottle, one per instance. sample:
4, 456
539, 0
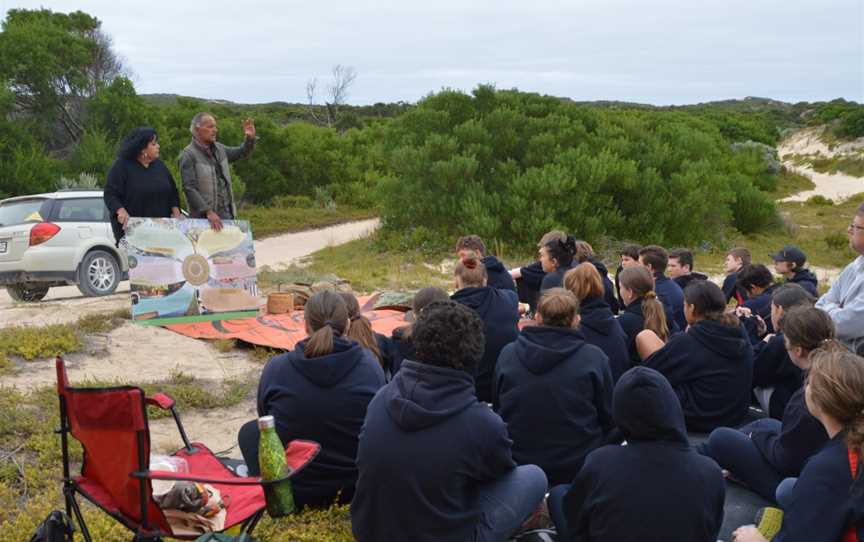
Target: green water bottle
271, 458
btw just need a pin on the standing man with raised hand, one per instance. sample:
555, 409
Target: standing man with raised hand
204, 170
845, 300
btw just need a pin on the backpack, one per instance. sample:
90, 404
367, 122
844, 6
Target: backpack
55, 528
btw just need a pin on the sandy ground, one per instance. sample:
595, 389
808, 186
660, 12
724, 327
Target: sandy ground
139, 354
836, 187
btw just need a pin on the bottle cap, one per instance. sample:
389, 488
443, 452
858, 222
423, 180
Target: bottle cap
266, 422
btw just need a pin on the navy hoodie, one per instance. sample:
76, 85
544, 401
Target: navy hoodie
497, 275
499, 310
773, 368
555, 279
632, 322
710, 367
672, 297
554, 391
684, 280
400, 348
604, 331
532, 280
426, 445
761, 305
807, 280
322, 399
822, 505
800, 436
732, 291
608, 288
654, 488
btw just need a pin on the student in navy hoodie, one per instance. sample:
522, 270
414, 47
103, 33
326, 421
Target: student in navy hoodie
556, 257
319, 392
680, 268
435, 464
762, 453
499, 310
550, 370
400, 344
654, 488
585, 253
775, 377
759, 284
597, 323
655, 259
497, 274
530, 278
642, 309
789, 263
710, 366
826, 503
629, 255
736, 259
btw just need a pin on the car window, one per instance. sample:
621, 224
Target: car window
80, 210
23, 211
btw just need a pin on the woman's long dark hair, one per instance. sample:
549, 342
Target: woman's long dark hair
562, 251
135, 142
327, 316
709, 302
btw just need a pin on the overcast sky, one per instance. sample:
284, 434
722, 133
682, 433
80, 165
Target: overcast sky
651, 51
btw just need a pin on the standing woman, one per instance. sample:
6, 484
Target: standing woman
139, 184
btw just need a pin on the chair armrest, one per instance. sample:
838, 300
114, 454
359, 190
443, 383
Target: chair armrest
161, 400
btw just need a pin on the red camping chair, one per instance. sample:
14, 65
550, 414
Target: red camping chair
111, 425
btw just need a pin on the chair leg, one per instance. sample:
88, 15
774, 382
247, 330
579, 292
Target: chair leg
250, 524
72, 504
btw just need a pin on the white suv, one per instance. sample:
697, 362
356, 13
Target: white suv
58, 239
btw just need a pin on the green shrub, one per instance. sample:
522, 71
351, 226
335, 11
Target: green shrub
39, 342
819, 199
836, 241
292, 201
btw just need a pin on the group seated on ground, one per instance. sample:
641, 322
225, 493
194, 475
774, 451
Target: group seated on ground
457, 425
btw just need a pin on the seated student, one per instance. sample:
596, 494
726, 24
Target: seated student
629, 258
655, 259
401, 345
596, 323
775, 376
319, 392
642, 309
361, 331
499, 310
435, 464
761, 454
789, 263
530, 278
736, 259
825, 503
585, 253
556, 257
553, 390
710, 366
759, 284
680, 268
497, 275
654, 488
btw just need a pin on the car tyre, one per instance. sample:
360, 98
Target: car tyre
27, 292
98, 274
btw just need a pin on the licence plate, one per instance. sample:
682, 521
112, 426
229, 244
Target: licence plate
4, 246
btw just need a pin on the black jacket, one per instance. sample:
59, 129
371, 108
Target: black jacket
732, 291
807, 280
672, 297
554, 391
400, 348
555, 279
684, 280
801, 435
604, 331
632, 322
773, 368
322, 399
710, 367
655, 487
499, 310
142, 191
426, 445
608, 290
823, 506
761, 305
497, 275
528, 286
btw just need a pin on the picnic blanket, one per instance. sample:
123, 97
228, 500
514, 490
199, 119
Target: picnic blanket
282, 331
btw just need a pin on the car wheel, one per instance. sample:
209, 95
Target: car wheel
99, 274
27, 292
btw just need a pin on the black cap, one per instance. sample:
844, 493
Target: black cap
790, 253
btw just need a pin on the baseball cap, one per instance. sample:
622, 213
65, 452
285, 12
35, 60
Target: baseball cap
790, 253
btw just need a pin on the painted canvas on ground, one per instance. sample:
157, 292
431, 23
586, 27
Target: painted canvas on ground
183, 268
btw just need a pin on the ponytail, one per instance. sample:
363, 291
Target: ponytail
326, 318
654, 314
360, 329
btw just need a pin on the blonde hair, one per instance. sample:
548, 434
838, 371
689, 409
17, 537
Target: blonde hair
554, 235
639, 280
558, 307
584, 281
836, 381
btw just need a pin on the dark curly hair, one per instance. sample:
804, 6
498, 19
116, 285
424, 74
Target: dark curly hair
562, 251
448, 334
135, 142
755, 275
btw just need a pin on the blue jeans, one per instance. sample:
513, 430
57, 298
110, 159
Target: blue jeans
508, 501
556, 510
733, 450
